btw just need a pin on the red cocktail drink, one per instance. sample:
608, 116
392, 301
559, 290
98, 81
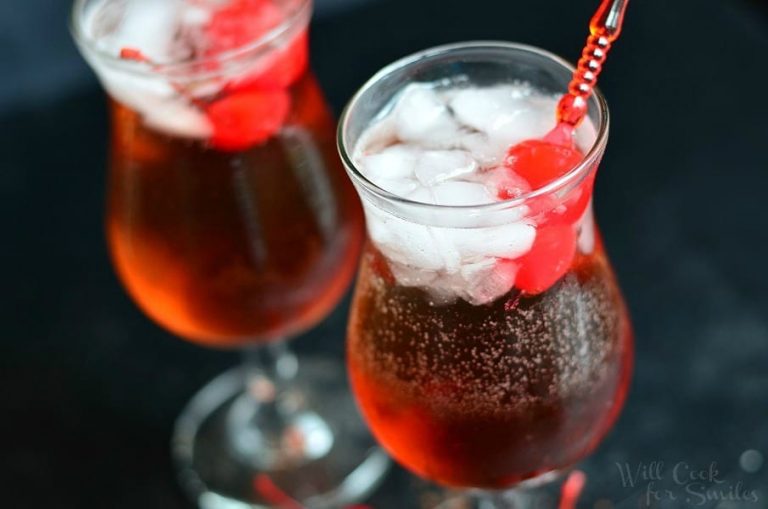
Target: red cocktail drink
490, 395
230, 220
228, 247
489, 342
231, 223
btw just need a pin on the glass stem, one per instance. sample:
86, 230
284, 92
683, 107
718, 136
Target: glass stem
259, 421
269, 371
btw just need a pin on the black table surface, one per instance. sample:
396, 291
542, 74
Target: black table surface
91, 387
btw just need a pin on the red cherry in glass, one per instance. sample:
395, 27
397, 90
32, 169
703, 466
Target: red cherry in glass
245, 119
241, 22
548, 260
237, 23
567, 211
280, 69
543, 161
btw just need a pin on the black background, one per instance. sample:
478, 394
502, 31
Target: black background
90, 387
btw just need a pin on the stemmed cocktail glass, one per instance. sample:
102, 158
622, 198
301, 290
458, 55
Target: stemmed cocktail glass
231, 224
508, 362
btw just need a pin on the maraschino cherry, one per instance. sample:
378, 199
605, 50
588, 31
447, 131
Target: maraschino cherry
541, 161
253, 107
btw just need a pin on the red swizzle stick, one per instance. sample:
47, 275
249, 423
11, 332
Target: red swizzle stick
542, 161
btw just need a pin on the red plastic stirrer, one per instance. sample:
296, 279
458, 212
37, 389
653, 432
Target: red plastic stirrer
541, 161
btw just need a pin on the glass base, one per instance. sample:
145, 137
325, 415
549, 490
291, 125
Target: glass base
322, 455
542, 492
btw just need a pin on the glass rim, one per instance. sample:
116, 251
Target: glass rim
572, 178
302, 11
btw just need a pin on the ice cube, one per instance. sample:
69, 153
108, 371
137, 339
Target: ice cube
140, 93
487, 280
477, 283
157, 102
446, 288
533, 118
422, 194
451, 193
503, 241
446, 249
399, 187
486, 151
195, 15
410, 276
504, 182
422, 117
147, 25
395, 162
381, 134
474, 264
178, 117
480, 108
403, 242
420, 244
460, 193
459, 246
504, 113
437, 166
150, 27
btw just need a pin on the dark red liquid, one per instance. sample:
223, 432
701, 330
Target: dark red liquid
487, 396
226, 247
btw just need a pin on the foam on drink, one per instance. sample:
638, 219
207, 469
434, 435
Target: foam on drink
446, 145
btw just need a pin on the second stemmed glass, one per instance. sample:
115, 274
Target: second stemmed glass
231, 223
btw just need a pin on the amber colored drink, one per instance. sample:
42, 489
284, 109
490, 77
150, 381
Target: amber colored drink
226, 247
231, 223
487, 396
